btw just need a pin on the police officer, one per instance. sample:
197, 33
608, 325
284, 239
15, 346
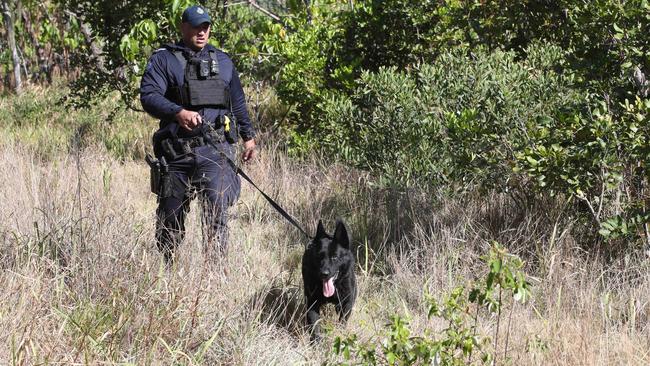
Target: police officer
195, 91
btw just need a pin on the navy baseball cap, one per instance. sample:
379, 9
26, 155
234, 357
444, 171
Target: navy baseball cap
196, 15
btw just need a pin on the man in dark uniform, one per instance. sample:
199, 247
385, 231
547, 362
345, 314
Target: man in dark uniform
195, 91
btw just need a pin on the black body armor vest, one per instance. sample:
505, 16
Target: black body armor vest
203, 88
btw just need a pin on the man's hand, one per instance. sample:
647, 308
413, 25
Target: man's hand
249, 151
188, 119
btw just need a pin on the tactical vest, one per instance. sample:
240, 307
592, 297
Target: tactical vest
203, 88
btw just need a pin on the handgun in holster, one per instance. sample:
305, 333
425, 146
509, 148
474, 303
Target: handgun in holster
160, 179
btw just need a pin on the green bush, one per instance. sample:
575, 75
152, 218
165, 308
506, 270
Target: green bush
302, 49
458, 121
604, 40
489, 120
600, 158
602, 43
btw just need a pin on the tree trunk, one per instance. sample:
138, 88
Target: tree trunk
224, 9
7, 16
43, 74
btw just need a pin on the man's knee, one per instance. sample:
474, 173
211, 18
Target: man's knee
215, 211
222, 186
170, 224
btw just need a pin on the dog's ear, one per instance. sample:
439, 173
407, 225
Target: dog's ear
341, 234
320, 230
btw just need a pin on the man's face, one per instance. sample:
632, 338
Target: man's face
195, 37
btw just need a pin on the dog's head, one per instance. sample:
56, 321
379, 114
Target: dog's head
330, 255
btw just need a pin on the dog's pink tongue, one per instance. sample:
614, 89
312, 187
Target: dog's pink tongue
328, 287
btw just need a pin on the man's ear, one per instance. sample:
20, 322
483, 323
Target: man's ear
341, 235
320, 230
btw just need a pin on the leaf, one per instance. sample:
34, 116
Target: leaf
496, 265
532, 161
391, 358
604, 232
521, 294
618, 29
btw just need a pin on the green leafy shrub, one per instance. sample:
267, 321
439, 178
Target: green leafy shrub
460, 342
398, 33
459, 120
602, 43
605, 41
601, 159
490, 120
302, 49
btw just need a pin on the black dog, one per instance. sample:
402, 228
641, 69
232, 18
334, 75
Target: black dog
328, 275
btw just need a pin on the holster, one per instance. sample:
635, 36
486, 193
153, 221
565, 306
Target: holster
160, 179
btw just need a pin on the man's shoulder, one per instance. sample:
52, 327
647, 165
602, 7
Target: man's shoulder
218, 51
161, 49
162, 52
162, 60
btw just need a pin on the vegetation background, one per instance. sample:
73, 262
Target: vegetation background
490, 158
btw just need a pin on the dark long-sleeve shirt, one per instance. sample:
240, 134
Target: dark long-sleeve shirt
164, 71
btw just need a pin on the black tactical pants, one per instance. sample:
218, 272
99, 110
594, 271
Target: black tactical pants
207, 174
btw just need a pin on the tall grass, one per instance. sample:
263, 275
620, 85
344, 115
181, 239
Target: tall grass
82, 282
39, 119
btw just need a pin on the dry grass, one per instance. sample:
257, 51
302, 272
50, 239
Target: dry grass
83, 284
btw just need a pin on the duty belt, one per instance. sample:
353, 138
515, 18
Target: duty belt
175, 148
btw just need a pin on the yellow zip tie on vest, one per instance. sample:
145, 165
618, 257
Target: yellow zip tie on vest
226, 123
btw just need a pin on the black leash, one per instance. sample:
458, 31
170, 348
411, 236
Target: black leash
239, 171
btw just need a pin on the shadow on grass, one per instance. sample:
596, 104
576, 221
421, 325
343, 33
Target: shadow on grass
280, 305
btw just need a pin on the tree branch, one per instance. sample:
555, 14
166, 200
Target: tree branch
95, 49
266, 12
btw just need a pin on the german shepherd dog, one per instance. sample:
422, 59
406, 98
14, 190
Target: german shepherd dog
328, 276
